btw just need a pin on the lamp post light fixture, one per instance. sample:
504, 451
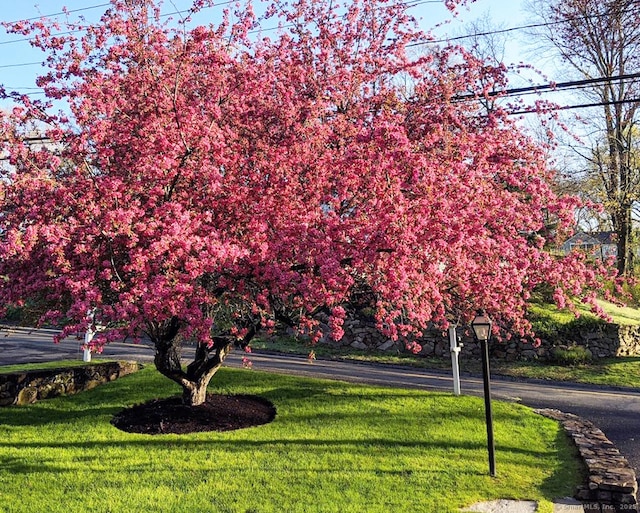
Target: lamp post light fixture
481, 326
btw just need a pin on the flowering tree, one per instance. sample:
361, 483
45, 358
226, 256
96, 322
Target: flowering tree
205, 184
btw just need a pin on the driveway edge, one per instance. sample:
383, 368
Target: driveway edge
611, 483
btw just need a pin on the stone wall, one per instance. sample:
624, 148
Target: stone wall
608, 340
611, 482
30, 386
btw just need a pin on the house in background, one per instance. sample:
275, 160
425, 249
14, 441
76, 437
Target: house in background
600, 245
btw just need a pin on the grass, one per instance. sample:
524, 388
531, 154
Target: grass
623, 315
6, 369
332, 447
620, 372
561, 325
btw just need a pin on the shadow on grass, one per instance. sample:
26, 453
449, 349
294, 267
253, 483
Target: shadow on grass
50, 413
319, 448
18, 467
272, 440
174, 444
564, 479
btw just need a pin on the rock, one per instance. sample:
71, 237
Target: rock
503, 506
27, 395
387, 345
428, 347
27, 387
50, 390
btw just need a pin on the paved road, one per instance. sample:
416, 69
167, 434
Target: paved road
617, 413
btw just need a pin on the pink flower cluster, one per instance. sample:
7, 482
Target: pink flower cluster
206, 169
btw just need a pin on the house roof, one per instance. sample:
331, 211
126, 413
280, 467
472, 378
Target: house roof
581, 238
605, 237
601, 238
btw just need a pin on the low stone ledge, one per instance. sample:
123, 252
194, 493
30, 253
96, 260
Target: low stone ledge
611, 483
26, 387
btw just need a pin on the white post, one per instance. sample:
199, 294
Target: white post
88, 336
455, 351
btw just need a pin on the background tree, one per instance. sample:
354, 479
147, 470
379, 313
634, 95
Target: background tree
207, 185
482, 38
601, 40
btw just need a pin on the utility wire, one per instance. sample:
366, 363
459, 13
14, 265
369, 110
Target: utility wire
22, 40
23, 64
580, 106
46, 140
551, 87
574, 84
60, 13
189, 10
95, 7
512, 29
408, 5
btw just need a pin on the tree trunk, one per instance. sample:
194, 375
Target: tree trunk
195, 379
197, 394
622, 228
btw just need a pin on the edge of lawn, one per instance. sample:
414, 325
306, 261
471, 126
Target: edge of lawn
502, 370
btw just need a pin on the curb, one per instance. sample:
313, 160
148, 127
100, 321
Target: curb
611, 482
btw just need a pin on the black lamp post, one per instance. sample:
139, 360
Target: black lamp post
482, 331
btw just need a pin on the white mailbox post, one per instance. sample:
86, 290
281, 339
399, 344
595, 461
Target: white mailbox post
455, 352
88, 337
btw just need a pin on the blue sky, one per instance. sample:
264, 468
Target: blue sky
17, 58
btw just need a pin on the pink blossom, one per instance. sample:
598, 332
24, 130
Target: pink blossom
217, 192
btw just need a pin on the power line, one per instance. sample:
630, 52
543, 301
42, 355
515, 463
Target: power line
22, 40
26, 39
553, 86
60, 13
507, 92
483, 34
550, 87
524, 111
23, 64
218, 4
511, 29
408, 5
580, 106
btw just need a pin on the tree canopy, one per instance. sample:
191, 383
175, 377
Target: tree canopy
207, 182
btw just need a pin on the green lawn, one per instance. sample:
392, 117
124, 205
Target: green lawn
623, 315
332, 447
620, 372
5, 369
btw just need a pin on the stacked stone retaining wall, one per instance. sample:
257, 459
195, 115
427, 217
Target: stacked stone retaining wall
27, 387
604, 341
611, 482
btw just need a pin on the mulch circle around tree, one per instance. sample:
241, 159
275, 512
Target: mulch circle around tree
218, 413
